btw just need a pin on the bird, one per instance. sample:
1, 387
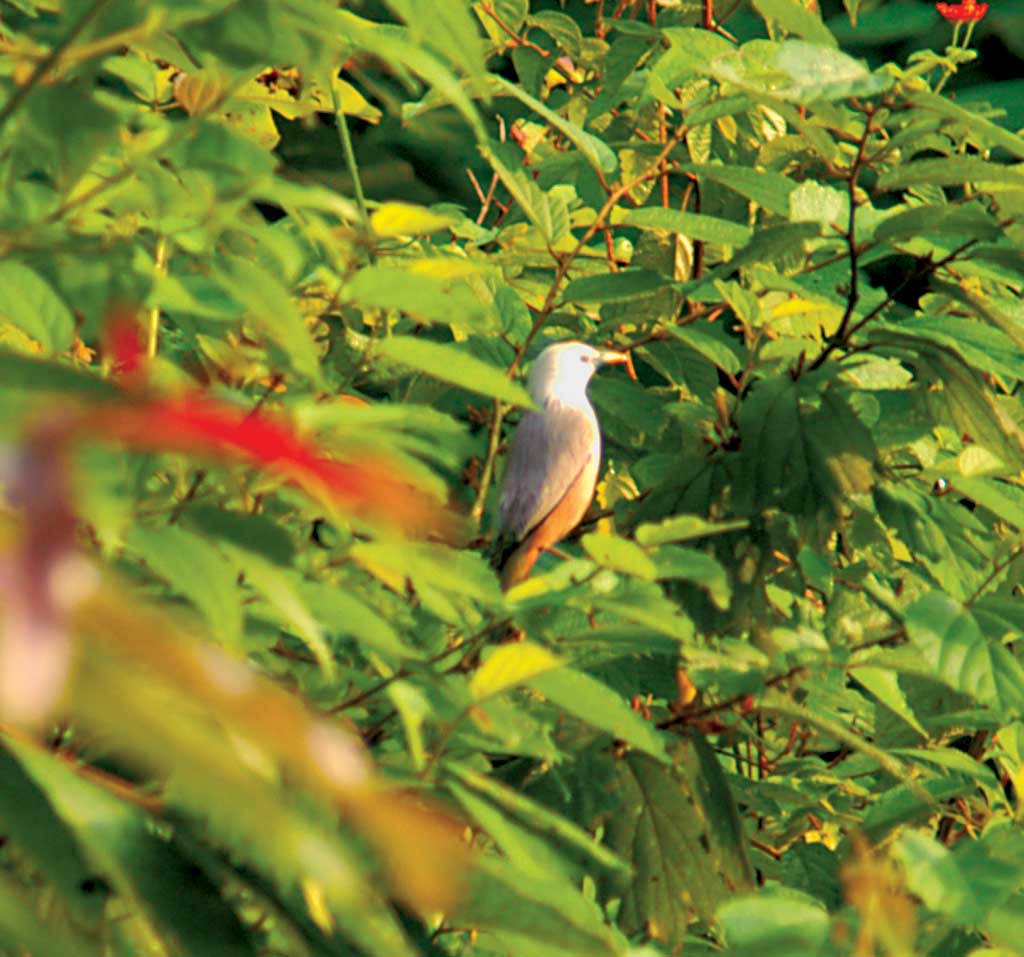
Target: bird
553, 460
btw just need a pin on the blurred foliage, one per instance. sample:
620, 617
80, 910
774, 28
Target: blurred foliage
270, 273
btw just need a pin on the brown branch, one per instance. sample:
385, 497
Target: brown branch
690, 716
841, 334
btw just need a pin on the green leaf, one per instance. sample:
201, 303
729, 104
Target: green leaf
811, 202
563, 29
408, 219
885, 686
709, 343
797, 19
684, 528
619, 554
451, 364
341, 613
796, 71
949, 639
679, 827
909, 223
611, 287
182, 906
419, 294
570, 838
765, 187
952, 171
595, 703
708, 229
777, 923
675, 561
24, 930
546, 210
510, 665
978, 128
30, 820
40, 375
196, 569
30, 303
501, 896
270, 308
282, 593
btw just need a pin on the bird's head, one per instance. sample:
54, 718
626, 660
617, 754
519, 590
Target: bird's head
563, 371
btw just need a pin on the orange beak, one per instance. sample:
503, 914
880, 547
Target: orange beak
613, 358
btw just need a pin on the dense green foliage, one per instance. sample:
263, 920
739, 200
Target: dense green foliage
770, 701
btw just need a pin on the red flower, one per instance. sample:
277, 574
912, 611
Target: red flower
965, 12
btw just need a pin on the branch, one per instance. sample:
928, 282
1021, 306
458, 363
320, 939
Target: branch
688, 717
842, 333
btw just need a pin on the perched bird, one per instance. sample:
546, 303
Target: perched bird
555, 455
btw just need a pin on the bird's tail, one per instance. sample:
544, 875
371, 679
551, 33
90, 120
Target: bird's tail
519, 564
512, 559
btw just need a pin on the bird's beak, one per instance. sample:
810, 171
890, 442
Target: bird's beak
612, 358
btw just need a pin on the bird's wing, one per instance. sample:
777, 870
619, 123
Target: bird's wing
549, 450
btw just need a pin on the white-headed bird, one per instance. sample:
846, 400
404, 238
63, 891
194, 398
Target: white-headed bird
554, 459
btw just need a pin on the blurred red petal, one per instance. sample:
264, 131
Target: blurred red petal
123, 342
195, 424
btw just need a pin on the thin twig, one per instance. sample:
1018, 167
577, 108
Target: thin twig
493, 444
841, 334
353, 171
688, 717
159, 270
997, 570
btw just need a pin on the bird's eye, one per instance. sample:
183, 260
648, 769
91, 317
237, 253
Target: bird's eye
584, 359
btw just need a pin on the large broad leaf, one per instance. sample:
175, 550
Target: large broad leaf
500, 896
609, 287
979, 128
965, 884
677, 824
959, 654
24, 930
797, 19
595, 703
710, 229
779, 923
954, 171
196, 569
425, 297
956, 392
178, 902
39, 375
30, 303
806, 450
30, 821
572, 841
451, 364
767, 188
510, 665
796, 71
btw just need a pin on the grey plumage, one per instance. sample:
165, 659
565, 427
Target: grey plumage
549, 451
